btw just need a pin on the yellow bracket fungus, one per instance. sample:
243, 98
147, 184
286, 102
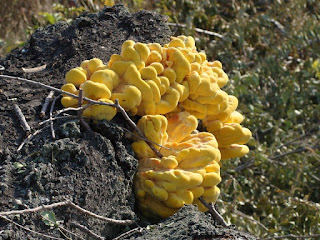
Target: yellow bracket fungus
171, 87
188, 169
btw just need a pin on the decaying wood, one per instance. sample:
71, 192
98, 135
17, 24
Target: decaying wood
67, 203
87, 230
214, 212
116, 105
35, 69
46, 104
51, 116
22, 119
31, 136
45, 236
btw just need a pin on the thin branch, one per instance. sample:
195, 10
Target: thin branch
247, 164
35, 69
125, 115
50, 117
199, 30
29, 230
46, 104
70, 204
22, 119
61, 229
292, 236
91, 214
72, 109
308, 133
241, 214
55, 89
31, 136
36, 209
138, 229
301, 149
147, 140
87, 230
275, 161
116, 105
79, 112
68, 231
214, 212
56, 118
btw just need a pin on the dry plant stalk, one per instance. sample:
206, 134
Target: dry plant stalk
35, 69
46, 104
22, 119
116, 105
67, 203
214, 212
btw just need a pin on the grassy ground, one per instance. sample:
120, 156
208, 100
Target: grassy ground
270, 50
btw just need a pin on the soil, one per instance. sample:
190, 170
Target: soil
94, 170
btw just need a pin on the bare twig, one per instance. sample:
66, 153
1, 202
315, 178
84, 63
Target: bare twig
241, 214
31, 136
214, 212
87, 230
36, 209
147, 140
71, 233
35, 69
61, 229
125, 115
80, 99
68, 204
246, 165
301, 149
308, 133
109, 220
50, 117
199, 30
46, 103
72, 109
22, 119
29, 230
79, 112
138, 229
55, 89
276, 162
292, 236
116, 105
56, 118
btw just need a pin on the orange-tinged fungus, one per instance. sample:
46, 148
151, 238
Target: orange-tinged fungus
100, 112
76, 76
66, 100
176, 80
95, 90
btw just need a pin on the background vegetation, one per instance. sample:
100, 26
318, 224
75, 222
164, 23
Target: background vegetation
270, 50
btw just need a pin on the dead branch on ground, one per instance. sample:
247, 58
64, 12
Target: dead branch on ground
67, 203
115, 105
214, 212
22, 119
46, 104
30, 230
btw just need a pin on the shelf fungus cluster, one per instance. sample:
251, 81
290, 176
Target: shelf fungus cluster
188, 169
171, 87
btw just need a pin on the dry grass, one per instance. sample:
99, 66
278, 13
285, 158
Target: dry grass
15, 17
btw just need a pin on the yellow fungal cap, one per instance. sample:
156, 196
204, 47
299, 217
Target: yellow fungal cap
100, 112
95, 90
76, 76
